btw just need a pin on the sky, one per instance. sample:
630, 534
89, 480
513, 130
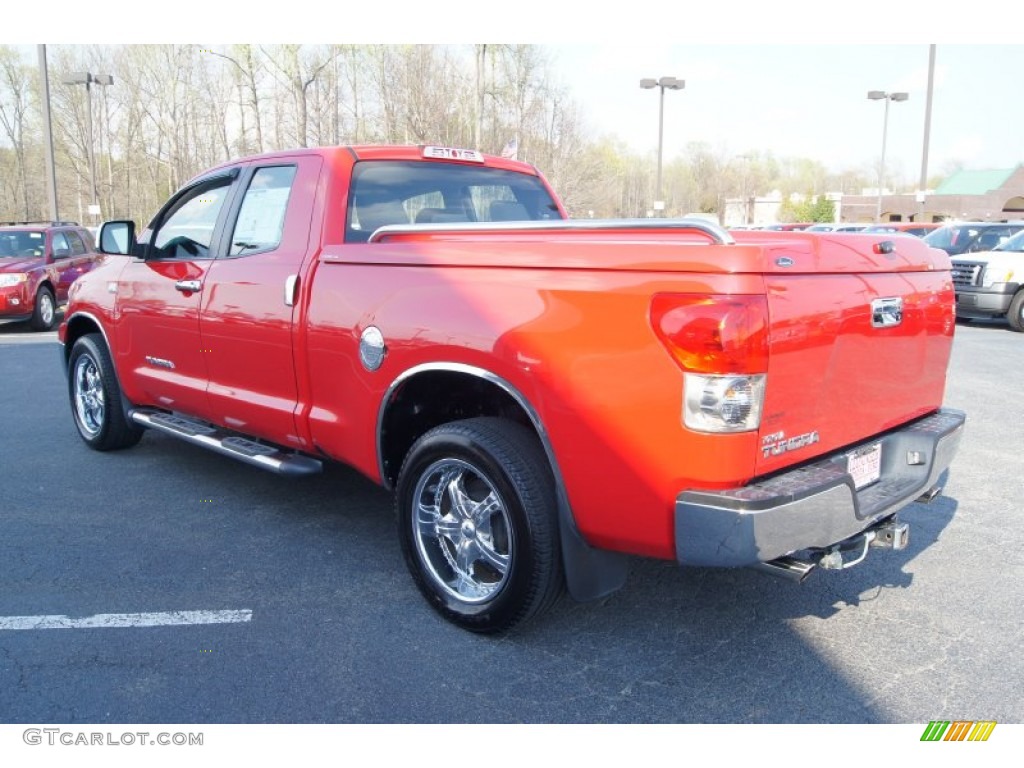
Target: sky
809, 101
788, 77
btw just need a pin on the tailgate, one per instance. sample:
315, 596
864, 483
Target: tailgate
860, 342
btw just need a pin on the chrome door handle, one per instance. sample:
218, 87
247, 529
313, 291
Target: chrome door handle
188, 286
290, 283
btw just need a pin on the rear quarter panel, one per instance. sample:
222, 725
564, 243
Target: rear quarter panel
576, 343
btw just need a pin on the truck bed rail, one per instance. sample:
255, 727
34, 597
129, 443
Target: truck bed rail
714, 232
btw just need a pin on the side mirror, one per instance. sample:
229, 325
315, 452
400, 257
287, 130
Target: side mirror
118, 237
61, 253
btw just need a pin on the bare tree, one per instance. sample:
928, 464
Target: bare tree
14, 114
246, 71
297, 71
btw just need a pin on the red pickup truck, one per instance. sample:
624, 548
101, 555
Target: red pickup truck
544, 396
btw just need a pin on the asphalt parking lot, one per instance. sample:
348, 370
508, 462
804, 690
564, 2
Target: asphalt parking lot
328, 627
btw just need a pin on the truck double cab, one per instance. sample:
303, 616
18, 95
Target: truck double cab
990, 284
38, 262
544, 396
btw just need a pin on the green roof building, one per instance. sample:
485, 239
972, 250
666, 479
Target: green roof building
977, 195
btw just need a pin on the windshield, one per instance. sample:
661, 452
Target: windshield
969, 238
399, 192
19, 244
948, 237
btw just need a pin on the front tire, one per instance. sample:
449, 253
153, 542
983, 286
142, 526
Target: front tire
96, 397
478, 524
1016, 313
45, 312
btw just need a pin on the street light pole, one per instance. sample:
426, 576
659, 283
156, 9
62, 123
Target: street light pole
76, 78
923, 184
887, 97
746, 204
673, 84
51, 166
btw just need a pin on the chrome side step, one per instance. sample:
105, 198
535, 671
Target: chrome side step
205, 435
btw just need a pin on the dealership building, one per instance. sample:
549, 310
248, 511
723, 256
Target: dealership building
993, 195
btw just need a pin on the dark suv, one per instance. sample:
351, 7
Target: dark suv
972, 236
38, 263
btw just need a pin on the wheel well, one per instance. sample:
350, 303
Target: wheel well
48, 285
429, 399
77, 328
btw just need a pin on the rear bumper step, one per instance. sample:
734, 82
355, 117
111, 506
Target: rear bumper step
206, 435
816, 506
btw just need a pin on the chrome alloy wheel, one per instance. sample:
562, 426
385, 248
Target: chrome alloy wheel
90, 405
47, 311
462, 530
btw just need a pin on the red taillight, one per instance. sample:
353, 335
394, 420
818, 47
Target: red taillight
715, 334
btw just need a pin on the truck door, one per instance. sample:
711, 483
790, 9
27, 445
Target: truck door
251, 301
159, 296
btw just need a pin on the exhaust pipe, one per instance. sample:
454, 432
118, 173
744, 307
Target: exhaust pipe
930, 495
788, 568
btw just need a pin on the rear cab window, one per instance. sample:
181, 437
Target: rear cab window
387, 192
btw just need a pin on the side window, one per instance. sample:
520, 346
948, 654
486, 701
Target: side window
186, 230
77, 246
261, 218
61, 248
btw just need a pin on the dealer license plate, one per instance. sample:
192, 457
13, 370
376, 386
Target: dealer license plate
865, 465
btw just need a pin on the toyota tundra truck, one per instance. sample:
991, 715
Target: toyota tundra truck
545, 397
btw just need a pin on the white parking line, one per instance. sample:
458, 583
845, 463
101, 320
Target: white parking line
29, 338
108, 620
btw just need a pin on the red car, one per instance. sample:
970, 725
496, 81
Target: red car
38, 263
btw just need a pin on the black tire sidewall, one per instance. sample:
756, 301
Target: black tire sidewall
1016, 313
516, 599
116, 431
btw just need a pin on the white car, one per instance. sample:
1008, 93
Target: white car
991, 283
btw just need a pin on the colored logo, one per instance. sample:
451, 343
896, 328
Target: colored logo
958, 730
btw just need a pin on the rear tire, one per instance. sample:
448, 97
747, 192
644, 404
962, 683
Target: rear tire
1016, 313
45, 312
96, 397
478, 525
